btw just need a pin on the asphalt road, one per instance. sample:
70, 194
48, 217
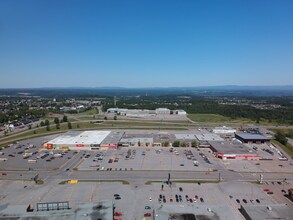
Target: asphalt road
143, 176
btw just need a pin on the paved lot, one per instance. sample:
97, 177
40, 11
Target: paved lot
143, 158
135, 197
30, 154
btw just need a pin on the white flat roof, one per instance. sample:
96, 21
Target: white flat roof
185, 136
208, 137
85, 137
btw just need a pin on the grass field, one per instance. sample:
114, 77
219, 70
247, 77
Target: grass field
214, 118
287, 149
88, 112
80, 125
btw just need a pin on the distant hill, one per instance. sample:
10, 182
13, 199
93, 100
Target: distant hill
229, 90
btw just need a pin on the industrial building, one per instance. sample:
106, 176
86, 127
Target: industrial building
83, 140
163, 111
232, 150
143, 112
180, 112
252, 138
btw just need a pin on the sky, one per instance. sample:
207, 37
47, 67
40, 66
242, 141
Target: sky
145, 43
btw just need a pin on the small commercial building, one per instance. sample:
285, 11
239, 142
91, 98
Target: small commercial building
137, 142
112, 140
203, 139
252, 138
232, 150
194, 212
59, 211
272, 211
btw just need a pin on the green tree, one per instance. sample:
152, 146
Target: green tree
47, 122
115, 117
105, 118
69, 125
290, 134
77, 126
183, 144
65, 119
58, 126
56, 120
165, 144
48, 128
194, 143
42, 124
35, 131
176, 144
279, 136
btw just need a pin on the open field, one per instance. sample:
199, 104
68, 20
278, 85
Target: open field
79, 125
215, 118
287, 149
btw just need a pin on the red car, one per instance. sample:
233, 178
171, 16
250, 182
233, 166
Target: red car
4, 174
148, 214
118, 214
266, 190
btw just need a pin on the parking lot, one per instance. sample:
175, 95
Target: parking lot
144, 158
30, 155
144, 198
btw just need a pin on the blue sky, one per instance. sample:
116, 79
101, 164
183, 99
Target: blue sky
144, 43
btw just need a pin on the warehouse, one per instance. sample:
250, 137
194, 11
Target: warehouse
252, 138
232, 150
78, 140
163, 111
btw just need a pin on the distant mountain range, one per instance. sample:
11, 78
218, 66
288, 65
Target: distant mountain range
228, 90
